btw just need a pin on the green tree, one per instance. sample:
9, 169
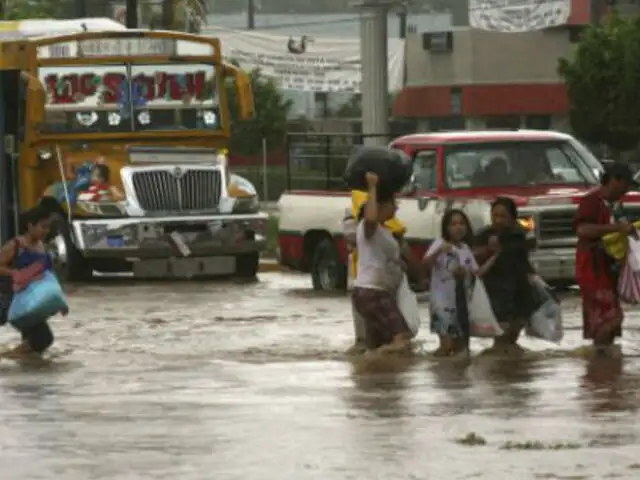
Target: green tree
603, 80
270, 120
24, 9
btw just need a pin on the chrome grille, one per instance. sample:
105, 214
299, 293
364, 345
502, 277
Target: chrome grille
193, 190
555, 224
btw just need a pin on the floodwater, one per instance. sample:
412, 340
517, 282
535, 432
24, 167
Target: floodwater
194, 381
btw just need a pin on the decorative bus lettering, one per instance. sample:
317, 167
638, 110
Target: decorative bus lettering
73, 88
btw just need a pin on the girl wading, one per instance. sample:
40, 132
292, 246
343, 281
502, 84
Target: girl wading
22, 260
379, 273
452, 266
596, 272
507, 281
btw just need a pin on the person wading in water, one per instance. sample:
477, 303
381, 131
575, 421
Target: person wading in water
22, 260
596, 272
380, 271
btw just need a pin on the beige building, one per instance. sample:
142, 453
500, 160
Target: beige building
467, 78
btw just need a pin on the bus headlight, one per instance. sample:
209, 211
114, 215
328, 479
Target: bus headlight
246, 204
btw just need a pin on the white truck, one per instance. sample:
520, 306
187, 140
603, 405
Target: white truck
546, 174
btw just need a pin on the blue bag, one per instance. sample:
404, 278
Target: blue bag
38, 301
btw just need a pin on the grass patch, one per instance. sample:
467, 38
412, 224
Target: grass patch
471, 440
271, 249
534, 445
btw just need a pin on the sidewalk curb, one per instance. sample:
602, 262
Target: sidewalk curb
269, 265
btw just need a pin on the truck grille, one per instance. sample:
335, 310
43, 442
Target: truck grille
162, 191
553, 225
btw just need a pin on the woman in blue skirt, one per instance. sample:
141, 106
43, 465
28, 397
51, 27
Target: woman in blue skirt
22, 260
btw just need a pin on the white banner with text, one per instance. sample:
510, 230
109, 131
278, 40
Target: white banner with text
518, 16
311, 64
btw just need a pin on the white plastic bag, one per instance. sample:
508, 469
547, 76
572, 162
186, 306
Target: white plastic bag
408, 305
633, 252
629, 284
546, 321
482, 320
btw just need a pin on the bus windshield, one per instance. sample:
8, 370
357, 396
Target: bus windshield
131, 97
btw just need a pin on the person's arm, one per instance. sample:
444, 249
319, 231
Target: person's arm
586, 222
371, 222
437, 248
7, 254
116, 194
484, 246
486, 266
596, 231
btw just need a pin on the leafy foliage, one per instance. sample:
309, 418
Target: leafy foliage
603, 81
24, 9
269, 122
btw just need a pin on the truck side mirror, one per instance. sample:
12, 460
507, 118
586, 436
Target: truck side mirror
411, 187
242, 82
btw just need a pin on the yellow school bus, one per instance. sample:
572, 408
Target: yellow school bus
123, 134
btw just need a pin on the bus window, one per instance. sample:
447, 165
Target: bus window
88, 98
174, 97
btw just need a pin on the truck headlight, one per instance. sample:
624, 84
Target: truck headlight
246, 204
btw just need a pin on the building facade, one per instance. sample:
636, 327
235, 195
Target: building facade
472, 79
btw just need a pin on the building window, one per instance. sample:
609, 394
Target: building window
538, 122
439, 124
456, 100
503, 122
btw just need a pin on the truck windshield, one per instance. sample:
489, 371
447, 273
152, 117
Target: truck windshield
504, 164
132, 97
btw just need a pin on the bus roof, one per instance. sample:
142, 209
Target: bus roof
25, 29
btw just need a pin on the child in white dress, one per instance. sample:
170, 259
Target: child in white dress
451, 264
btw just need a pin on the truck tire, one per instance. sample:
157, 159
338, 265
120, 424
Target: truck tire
70, 265
327, 271
247, 265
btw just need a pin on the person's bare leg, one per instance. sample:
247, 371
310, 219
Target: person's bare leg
20, 351
445, 346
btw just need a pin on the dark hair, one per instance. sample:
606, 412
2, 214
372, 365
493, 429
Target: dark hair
33, 216
508, 204
446, 221
104, 171
380, 198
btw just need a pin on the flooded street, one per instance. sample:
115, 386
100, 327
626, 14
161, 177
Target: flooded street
196, 381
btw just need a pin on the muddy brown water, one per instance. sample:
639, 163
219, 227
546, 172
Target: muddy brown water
195, 381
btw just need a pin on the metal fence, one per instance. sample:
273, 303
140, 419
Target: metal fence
309, 161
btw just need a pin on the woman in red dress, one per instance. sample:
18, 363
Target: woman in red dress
595, 270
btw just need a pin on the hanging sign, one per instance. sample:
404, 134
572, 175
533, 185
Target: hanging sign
518, 16
319, 64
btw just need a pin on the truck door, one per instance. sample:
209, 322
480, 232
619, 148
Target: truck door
12, 106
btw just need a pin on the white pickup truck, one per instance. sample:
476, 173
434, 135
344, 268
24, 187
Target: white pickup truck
546, 174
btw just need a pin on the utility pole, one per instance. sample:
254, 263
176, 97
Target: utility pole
375, 73
132, 14
167, 14
251, 15
595, 7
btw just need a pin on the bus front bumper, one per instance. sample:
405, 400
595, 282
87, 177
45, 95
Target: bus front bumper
167, 237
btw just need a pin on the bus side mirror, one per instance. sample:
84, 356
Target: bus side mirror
242, 82
39, 94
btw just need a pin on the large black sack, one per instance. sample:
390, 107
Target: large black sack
393, 168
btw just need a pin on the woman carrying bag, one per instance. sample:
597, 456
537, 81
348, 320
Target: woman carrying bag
24, 260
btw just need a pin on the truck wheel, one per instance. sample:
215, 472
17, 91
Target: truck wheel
327, 271
69, 264
247, 265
